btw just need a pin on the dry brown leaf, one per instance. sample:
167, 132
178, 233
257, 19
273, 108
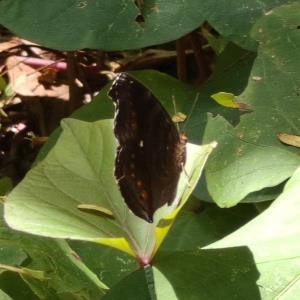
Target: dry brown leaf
289, 139
25, 81
179, 117
10, 43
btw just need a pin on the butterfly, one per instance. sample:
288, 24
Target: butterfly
151, 153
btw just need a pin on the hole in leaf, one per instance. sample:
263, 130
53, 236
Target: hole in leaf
140, 19
140, 5
298, 27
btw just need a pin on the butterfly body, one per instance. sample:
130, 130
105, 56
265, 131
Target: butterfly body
151, 152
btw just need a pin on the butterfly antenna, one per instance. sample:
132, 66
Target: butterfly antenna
175, 110
191, 111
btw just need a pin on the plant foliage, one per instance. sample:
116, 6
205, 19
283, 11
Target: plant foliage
66, 232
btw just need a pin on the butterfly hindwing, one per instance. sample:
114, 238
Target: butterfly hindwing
151, 152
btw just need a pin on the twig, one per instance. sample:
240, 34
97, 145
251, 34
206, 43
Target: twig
75, 93
181, 60
203, 68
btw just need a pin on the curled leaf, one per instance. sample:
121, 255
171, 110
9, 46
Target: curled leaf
95, 208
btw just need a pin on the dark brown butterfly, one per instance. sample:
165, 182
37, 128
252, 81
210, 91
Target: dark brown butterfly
151, 152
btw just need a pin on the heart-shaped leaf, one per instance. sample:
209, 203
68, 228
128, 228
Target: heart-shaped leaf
78, 173
117, 25
273, 238
250, 157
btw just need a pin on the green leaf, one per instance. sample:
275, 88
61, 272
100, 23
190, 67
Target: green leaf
79, 170
193, 230
229, 100
225, 99
110, 265
109, 25
284, 215
231, 73
73, 173
12, 284
50, 267
203, 274
266, 194
273, 238
3, 84
235, 18
4, 296
65, 273
112, 25
250, 157
5, 185
133, 286
10, 252
10, 255
9, 91
243, 167
217, 43
212, 274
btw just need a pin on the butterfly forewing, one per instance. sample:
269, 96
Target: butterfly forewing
151, 152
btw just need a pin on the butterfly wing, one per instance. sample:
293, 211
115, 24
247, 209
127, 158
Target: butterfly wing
151, 152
